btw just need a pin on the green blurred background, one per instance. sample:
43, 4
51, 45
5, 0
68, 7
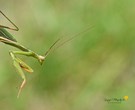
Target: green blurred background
80, 74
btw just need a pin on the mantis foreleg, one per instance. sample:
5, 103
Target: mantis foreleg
19, 65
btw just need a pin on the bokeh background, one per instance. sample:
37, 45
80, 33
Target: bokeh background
80, 74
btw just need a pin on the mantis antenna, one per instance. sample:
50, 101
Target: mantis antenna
55, 46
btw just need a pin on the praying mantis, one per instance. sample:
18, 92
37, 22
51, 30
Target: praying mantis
7, 38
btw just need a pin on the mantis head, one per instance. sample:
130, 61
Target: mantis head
41, 59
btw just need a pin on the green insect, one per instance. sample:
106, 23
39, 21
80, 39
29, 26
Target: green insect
8, 39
